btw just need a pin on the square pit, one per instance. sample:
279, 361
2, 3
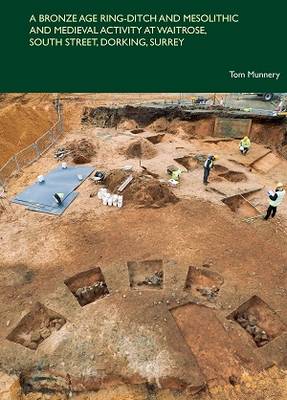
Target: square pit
36, 326
258, 320
146, 274
88, 286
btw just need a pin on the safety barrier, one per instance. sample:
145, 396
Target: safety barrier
32, 153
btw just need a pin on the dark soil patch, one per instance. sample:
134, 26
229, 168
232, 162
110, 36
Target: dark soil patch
239, 205
258, 320
36, 326
234, 176
16, 275
88, 286
82, 151
144, 190
156, 138
203, 282
141, 148
220, 169
136, 131
146, 274
188, 162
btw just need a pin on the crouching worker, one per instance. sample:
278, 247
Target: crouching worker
275, 199
208, 164
176, 174
244, 145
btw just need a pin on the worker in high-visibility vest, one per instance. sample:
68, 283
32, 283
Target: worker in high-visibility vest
244, 145
208, 165
275, 199
176, 174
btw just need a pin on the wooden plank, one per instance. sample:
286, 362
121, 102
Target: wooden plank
125, 183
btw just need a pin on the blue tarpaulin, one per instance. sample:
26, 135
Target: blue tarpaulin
39, 196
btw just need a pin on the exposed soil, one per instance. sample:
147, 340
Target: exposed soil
203, 282
22, 120
259, 321
141, 148
188, 125
214, 347
266, 163
88, 286
188, 162
144, 190
146, 274
155, 139
239, 205
36, 326
181, 337
220, 169
233, 176
82, 151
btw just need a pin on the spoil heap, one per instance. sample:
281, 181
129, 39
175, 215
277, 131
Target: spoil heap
140, 148
143, 190
82, 151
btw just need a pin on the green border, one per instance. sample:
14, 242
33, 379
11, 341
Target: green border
256, 43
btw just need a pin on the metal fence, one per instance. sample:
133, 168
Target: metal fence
32, 153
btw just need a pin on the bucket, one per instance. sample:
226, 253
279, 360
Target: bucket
41, 179
115, 200
120, 201
100, 194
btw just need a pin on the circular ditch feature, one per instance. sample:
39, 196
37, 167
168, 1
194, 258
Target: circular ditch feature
203, 282
88, 286
36, 326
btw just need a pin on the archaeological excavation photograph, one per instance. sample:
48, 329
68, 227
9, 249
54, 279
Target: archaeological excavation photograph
143, 246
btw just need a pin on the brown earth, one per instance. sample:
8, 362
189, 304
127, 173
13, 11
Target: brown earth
140, 148
82, 151
22, 120
24, 117
128, 343
143, 190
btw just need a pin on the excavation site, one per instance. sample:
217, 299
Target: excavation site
137, 261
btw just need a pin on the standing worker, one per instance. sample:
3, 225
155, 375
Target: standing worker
275, 198
244, 145
208, 164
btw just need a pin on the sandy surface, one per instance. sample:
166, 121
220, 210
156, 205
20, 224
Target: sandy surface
149, 335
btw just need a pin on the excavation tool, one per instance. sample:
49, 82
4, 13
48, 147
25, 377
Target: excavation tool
99, 177
61, 153
125, 183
